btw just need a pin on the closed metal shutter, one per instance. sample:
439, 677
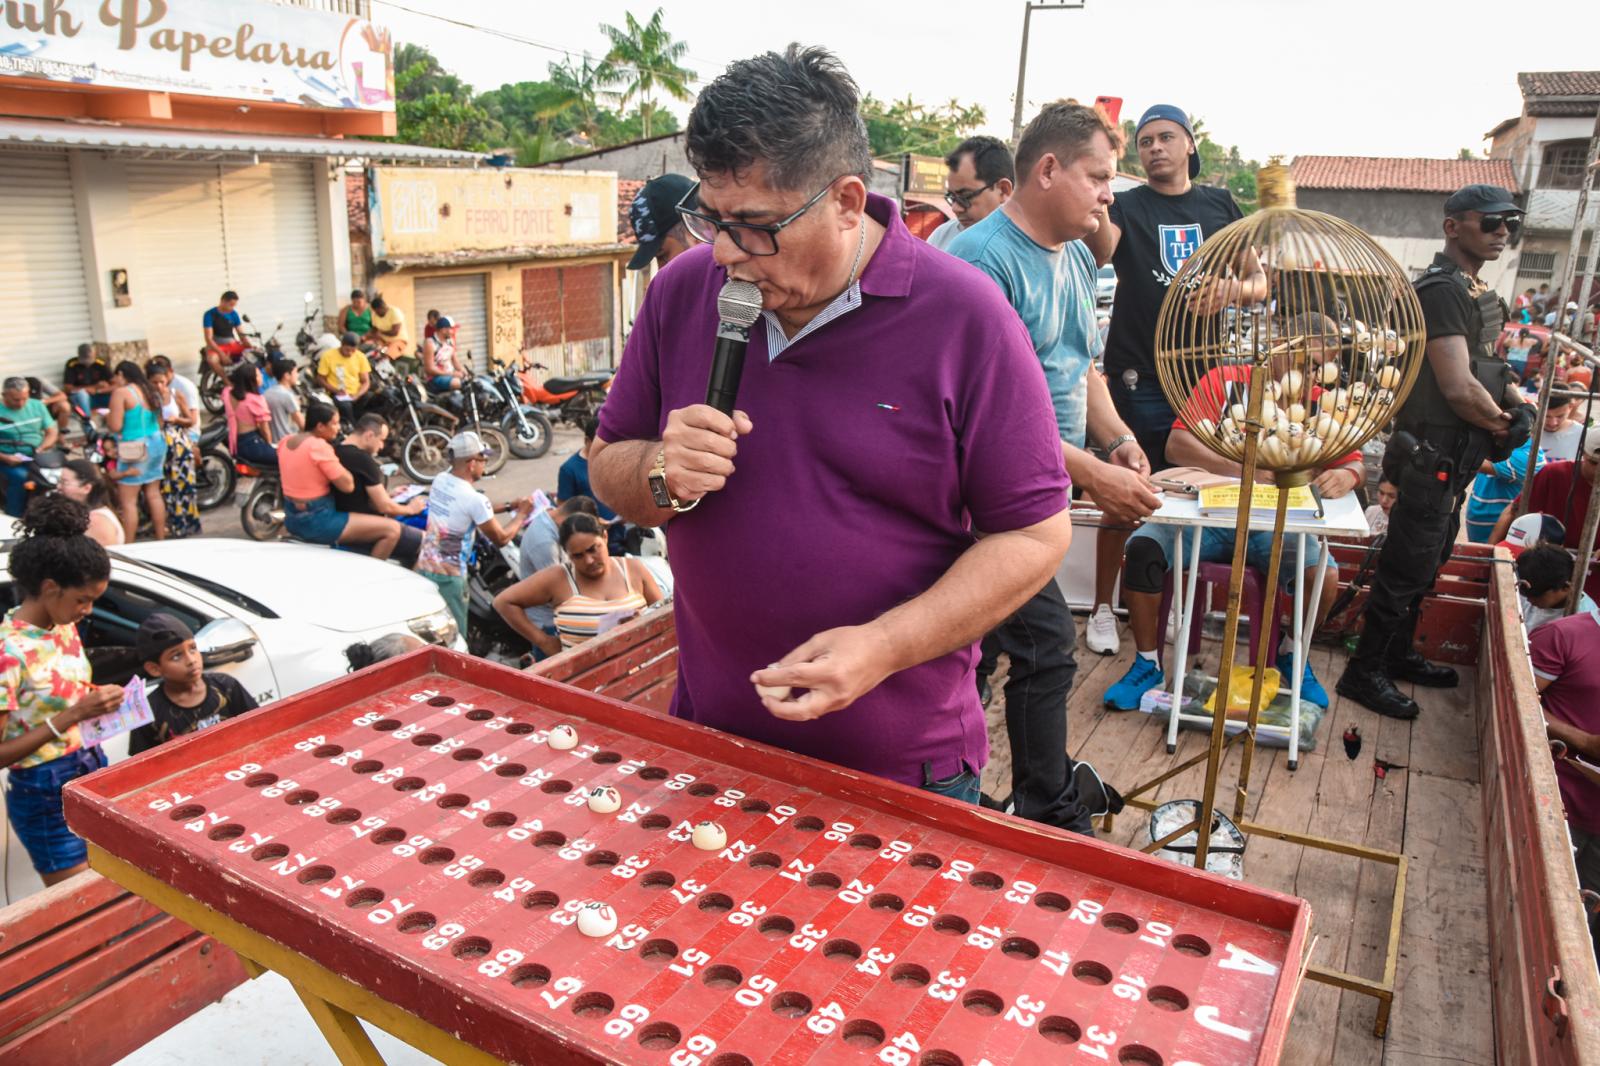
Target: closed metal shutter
44, 298
463, 298
203, 228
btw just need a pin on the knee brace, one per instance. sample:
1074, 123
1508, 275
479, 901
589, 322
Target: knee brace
1146, 567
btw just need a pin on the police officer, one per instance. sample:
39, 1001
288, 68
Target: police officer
1464, 408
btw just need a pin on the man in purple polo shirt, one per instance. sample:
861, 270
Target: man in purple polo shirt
891, 410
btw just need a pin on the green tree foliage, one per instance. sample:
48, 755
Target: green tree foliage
435, 107
644, 60
907, 126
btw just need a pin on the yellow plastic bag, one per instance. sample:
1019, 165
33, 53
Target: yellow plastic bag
1239, 691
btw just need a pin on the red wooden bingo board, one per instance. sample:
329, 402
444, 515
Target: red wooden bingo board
412, 830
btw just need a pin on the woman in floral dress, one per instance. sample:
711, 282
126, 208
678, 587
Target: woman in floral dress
178, 481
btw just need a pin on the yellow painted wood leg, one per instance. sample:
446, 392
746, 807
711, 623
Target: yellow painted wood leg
251, 968
342, 1030
308, 977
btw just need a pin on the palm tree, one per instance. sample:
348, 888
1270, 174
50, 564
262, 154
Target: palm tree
579, 85
644, 59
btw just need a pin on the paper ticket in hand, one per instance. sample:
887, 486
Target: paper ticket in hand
134, 712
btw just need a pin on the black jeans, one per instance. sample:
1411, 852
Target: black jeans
1040, 640
1422, 531
1146, 411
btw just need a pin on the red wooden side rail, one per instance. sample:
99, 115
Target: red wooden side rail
636, 662
1546, 990
89, 973
1452, 623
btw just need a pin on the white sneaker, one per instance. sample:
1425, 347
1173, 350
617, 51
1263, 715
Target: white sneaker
1102, 635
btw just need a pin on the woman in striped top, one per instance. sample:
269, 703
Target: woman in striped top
591, 592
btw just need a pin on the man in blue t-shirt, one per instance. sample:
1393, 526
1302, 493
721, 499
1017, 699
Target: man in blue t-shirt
223, 342
1033, 249
572, 480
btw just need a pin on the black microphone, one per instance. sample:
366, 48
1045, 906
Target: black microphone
738, 307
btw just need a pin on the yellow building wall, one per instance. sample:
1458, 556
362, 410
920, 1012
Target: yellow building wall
423, 210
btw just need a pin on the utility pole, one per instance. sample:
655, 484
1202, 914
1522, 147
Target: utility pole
1022, 60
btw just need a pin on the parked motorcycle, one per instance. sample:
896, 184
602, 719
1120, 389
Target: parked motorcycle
419, 430
569, 400
527, 429
256, 351
261, 515
44, 472
214, 472
464, 402
490, 570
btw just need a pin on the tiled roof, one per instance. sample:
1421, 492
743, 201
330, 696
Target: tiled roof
1560, 83
1410, 175
627, 189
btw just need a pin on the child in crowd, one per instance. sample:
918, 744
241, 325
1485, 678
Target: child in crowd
189, 699
1378, 513
1544, 579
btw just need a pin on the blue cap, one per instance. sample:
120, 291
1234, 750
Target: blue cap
1172, 114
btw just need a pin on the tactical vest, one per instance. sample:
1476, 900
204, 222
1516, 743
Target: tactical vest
1426, 406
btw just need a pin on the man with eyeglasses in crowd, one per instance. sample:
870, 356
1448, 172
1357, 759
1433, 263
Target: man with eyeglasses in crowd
1464, 408
981, 178
831, 581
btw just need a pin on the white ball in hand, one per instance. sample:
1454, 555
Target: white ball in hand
603, 799
563, 737
709, 836
774, 692
597, 919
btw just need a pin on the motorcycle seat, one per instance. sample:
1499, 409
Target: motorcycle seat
560, 385
596, 377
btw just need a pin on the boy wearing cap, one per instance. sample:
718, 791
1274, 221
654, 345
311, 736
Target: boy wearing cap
189, 699
656, 222
439, 360
455, 510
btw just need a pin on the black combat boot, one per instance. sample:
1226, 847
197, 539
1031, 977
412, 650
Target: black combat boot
1369, 685
1419, 671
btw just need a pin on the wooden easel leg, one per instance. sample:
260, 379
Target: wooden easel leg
252, 968
342, 1030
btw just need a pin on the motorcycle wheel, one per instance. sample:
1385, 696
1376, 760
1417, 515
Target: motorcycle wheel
426, 455
498, 444
262, 513
529, 436
215, 479
210, 389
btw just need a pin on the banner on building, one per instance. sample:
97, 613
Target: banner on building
424, 210
241, 49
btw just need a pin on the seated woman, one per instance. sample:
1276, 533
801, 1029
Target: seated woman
310, 472
249, 419
86, 483
591, 592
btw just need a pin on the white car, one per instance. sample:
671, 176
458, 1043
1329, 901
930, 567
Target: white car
276, 616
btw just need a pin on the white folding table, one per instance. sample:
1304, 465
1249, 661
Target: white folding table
1341, 517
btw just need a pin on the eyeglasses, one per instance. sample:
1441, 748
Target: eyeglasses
1491, 223
752, 238
963, 198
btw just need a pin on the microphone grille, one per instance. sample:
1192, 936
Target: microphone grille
739, 303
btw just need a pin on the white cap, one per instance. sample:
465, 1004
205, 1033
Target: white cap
1591, 444
467, 445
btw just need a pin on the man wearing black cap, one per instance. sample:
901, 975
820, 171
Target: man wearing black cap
189, 699
1464, 408
1148, 234
656, 222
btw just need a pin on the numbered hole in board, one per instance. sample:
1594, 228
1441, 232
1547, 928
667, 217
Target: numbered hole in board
326, 751
886, 901
659, 951
926, 860
824, 880
939, 1057
188, 810
486, 878
703, 789
556, 785
988, 882
409, 784
606, 758
952, 925
730, 1058
541, 900
510, 769
654, 773
1186, 944
754, 806
530, 975
1165, 997
1119, 923
367, 766
722, 977
471, 947
344, 816
863, 1033
320, 874
550, 839
982, 1001
807, 824
593, 1005
467, 754
660, 1036
1019, 947
1059, 1029
1052, 901
866, 841
519, 729
390, 835
364, 897
386, 725
715, 902
765, 860
270, 852
226, 831
1092, 973
426, 740
436, 855
910, 975
417, 922
655, 821
841, 950
791, 1004
1139, 1055
441, 701
260, 780
775, 926
479, 714
601, 857
452, 800
302, 796
657, 879
499, 819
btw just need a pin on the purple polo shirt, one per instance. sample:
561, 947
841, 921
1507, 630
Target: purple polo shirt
881, 441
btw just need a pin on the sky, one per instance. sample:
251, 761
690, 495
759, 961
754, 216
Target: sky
1276, 77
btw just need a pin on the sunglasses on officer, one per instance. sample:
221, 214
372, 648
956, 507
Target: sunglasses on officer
1491, 223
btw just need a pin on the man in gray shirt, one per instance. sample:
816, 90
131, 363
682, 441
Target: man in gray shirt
282, 402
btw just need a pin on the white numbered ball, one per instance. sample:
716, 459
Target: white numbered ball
1296, 413
1358, 393
709, 836
1389, 378
597, 919
1205, 428
774, 692
1324, 426
563, 737
603, 799
1296, 432
1337, 400
1291, 384
1329, 373
1280, 431
1239, 413
1383, 398
1269, 414
1272, 452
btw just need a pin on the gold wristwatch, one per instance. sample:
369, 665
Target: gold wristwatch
659, 491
